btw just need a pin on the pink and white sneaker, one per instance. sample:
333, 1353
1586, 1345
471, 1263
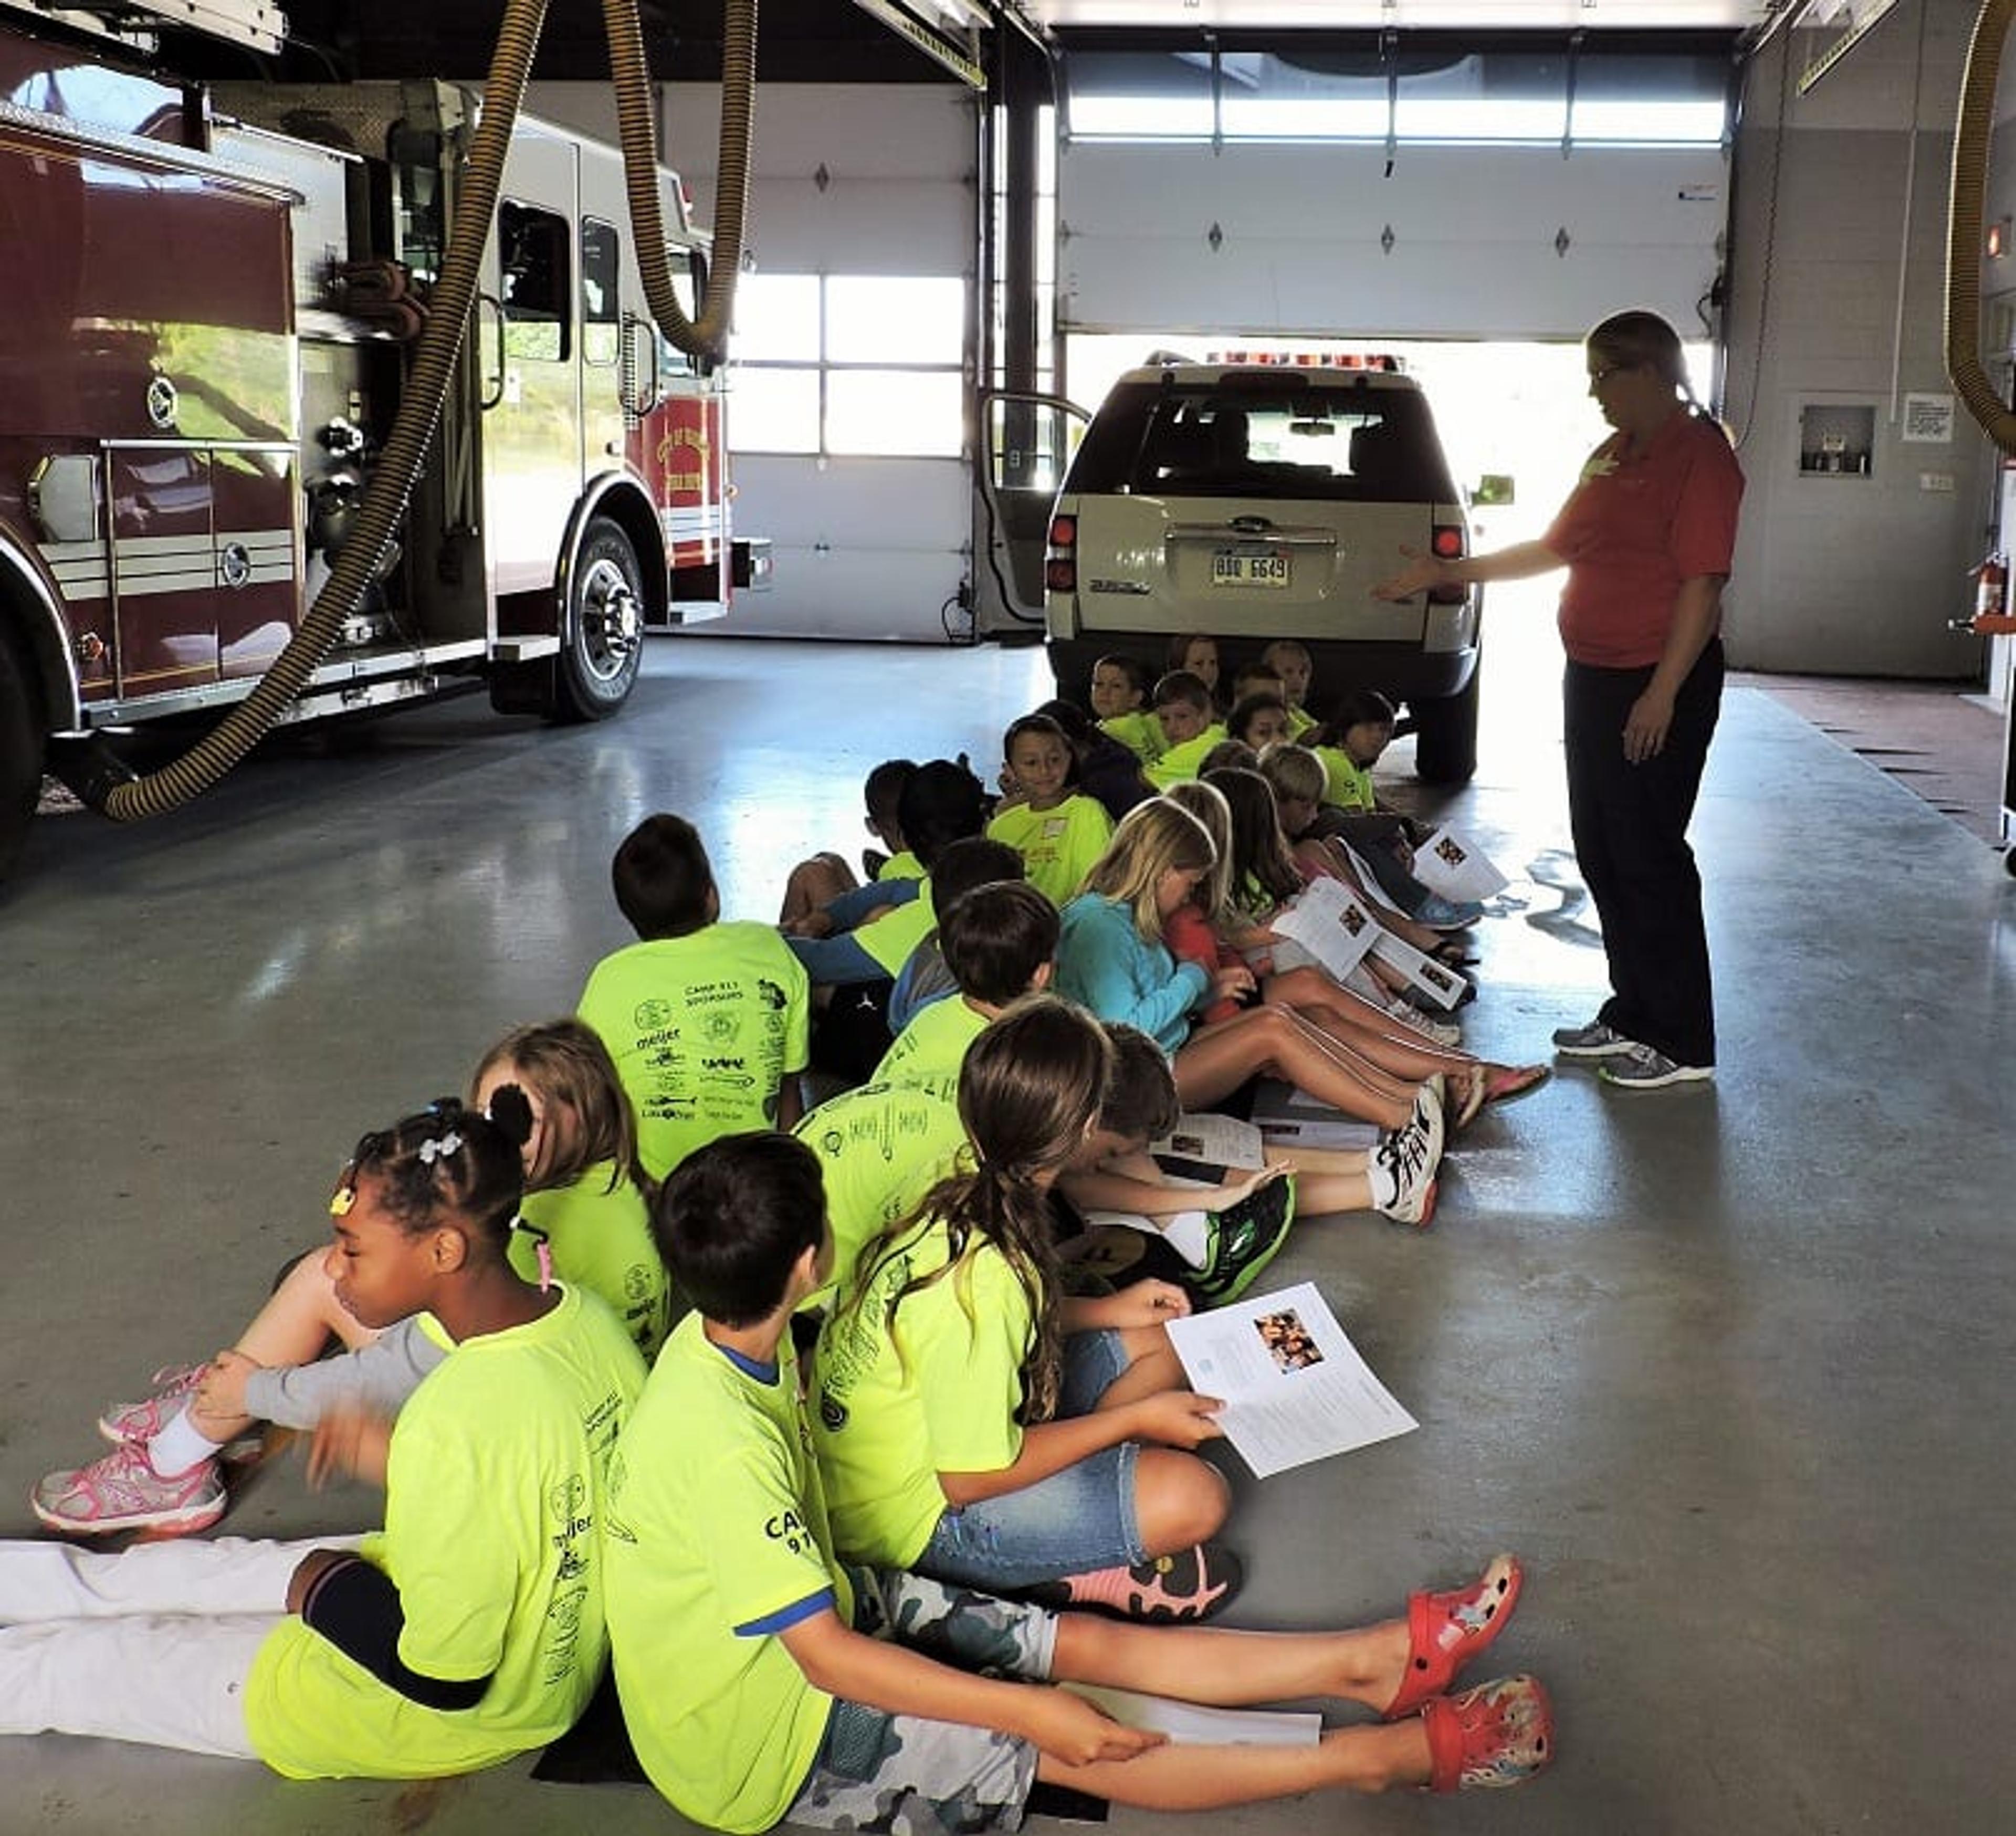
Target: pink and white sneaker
140, 1422
123, 1492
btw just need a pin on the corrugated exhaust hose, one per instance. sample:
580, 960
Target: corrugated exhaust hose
440, 344
1964, 228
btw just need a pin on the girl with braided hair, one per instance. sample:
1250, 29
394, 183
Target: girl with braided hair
583, 1219
470, 1629
975, 1424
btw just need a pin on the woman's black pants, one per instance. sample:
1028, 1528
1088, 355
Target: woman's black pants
1630, 827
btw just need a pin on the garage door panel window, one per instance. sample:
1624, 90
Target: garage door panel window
850, 365
1544, 95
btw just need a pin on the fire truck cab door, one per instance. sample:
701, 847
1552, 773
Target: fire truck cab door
532, 462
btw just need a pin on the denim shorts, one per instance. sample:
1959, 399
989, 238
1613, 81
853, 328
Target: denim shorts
1080, 1518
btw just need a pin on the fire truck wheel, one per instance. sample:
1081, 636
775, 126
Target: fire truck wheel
604, 642
20, 754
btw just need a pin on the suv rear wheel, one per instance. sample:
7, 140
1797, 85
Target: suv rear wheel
1445, 735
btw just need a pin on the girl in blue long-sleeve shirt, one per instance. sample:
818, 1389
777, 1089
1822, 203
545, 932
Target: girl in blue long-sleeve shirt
1111, 959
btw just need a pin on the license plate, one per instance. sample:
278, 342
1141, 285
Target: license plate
1231, 567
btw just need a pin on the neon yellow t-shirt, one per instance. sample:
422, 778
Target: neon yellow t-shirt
891, 938
903, 864
1301, 722
1058, 846
703, 1028
600, 1238
933, 1045
1181, 763
497, 1475
893, 1406
881, 1149
1140, 731
1350, 787
716, 1531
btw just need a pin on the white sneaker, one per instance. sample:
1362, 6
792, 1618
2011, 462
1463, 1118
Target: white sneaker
1402, 1170
1437, 1031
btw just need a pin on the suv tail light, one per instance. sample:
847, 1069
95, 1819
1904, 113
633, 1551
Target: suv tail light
1446, 543
1060, 563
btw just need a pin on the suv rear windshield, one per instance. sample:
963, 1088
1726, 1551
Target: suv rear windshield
1273, 436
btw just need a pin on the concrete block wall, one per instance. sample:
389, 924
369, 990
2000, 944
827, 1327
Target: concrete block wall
1837, 301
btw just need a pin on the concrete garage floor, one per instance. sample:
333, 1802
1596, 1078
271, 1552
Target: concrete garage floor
1730, 1366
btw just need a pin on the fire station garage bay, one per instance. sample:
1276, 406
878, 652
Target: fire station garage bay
1724, 1359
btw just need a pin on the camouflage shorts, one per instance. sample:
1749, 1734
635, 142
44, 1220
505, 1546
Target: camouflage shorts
910, 1777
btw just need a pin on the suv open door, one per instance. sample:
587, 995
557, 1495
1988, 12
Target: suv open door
1027, 442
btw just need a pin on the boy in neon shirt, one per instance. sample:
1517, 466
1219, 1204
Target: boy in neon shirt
1120, 690
1000, 942
1183, 708
1056, 828
762, 1682
709, 1022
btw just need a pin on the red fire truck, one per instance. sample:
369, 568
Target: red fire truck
212, 298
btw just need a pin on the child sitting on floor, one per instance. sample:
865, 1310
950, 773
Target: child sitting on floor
1190, 728
763, 1681
853, 971
708, 1022
1057, 829
585, 1207
816, 883
1289, 659
973, 1424
1116, 1172
471, 1629
999, 941
1120, 686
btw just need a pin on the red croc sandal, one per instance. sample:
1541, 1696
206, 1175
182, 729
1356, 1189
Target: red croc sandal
1445, 1631
1499, 1733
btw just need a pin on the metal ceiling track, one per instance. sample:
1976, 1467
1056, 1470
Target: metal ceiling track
240, 22
947, 31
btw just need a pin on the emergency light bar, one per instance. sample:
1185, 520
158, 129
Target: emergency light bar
1381, 362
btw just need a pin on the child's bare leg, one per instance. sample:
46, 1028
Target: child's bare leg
1372, 1760
813, 885
1232, 1669
295, 1327
1414, 1056
1152, 1367
1311, 991
1216, 1060
1180, 1500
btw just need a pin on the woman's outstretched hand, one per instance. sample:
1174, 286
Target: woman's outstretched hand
1421, 572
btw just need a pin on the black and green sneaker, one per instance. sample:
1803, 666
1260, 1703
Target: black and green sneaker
1242, 1240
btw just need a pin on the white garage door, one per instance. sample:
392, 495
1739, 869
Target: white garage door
1467, 241
847, 427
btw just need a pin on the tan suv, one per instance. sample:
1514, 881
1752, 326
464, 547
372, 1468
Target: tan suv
1252, 501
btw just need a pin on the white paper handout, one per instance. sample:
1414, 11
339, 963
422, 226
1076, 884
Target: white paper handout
1191, 1724
1331, 922
1440, 983
1221, 1141
1459, 870
1294, 1385
1286, 1117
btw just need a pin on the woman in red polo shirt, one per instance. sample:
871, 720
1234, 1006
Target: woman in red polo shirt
1647, 536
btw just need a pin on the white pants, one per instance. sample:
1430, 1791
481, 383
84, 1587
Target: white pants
153, 1644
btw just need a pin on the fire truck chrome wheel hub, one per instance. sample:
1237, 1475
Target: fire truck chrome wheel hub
610, 621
